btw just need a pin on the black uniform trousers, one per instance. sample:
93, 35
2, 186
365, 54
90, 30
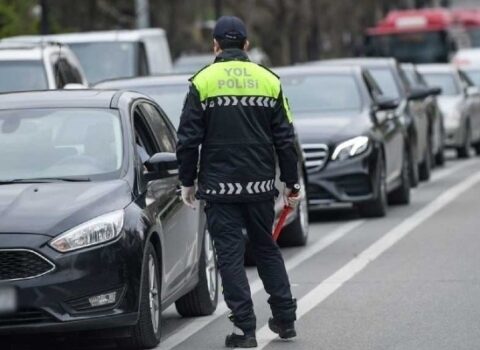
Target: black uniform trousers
225, 223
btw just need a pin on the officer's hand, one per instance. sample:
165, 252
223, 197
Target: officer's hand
292, 201
188, 196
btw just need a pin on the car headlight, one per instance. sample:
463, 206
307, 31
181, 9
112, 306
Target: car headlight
350, 148
100, 230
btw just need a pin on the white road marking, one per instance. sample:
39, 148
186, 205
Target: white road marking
199, 323
352, 268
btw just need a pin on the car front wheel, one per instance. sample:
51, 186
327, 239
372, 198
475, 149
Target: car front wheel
378, 206
202, 300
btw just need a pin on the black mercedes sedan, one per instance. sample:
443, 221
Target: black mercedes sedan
411, 109
355, 145
93, 233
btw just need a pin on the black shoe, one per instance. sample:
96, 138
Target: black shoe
284, 330
241, 341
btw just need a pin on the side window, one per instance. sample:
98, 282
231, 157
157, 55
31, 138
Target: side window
144, 141
466, 81
162, 129
373, 88
72, 73
59, 73
142, 60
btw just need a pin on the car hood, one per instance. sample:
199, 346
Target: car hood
52, 208
330, 127
449, 103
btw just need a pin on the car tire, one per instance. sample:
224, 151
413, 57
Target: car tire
401, 195
425, 168
377, 207
295, 234
203, 299
146, 334
463, 151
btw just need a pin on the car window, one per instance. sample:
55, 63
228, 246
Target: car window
385, 79
58, 71
22, 76
322, 92
446, 81
162, 130
474, 75
72, 73
60, 142
466, 81
142, 60
372, 86
144, 140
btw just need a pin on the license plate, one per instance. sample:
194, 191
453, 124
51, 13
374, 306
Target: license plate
8, 300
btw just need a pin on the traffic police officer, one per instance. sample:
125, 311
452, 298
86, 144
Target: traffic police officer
235, 110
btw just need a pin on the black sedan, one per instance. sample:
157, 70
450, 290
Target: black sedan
355, 146
170, 92
411, 109
93, 234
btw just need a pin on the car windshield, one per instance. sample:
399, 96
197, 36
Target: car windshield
192, 64
474, 34
60, 143
22, 76
326, 92
107, 60
474, 75
169, 97
422, 47
445, 81
386, 81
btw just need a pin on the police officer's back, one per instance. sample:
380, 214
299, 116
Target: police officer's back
235, 110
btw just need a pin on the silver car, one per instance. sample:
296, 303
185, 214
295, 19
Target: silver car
460, 105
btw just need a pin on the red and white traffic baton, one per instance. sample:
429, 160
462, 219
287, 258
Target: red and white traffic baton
284, 214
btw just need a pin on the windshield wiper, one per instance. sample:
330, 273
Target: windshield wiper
46, 180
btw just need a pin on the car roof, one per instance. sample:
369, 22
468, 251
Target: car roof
57, 99
99, 36
362, 61
24, 51
436, 68
126, 83
319, 69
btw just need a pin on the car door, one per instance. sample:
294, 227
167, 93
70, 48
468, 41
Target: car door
162, 203
183, 224
418, 108
473, 102
390, 128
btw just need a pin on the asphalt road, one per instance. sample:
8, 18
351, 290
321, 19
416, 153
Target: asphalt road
407, 281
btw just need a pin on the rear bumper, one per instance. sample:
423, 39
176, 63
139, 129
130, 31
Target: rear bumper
348, 181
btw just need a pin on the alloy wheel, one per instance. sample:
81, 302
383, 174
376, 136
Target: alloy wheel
153, 293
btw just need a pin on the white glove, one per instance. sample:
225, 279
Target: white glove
293, 201
188, 196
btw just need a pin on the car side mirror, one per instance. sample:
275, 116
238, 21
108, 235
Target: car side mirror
435, 91
164, 164
418, 94
386, 103
472, 91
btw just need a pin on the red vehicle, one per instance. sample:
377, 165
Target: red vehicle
417, 36
470, 19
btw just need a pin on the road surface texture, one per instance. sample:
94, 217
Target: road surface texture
407, 281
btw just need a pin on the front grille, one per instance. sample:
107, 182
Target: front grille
17, 264
316, 155
354, 185
27, 316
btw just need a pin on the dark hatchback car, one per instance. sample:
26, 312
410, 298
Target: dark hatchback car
355, 145
411, 109
93, 233
170, 92
436, 128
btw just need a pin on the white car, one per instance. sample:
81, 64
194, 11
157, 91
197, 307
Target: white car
117, 53
460, 105
38, 66
467, 57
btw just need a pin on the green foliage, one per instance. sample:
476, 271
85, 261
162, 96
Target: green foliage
16, 17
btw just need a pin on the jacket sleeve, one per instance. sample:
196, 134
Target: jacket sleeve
190, 137
284, 141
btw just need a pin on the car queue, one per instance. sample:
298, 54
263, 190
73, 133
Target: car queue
94, 234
